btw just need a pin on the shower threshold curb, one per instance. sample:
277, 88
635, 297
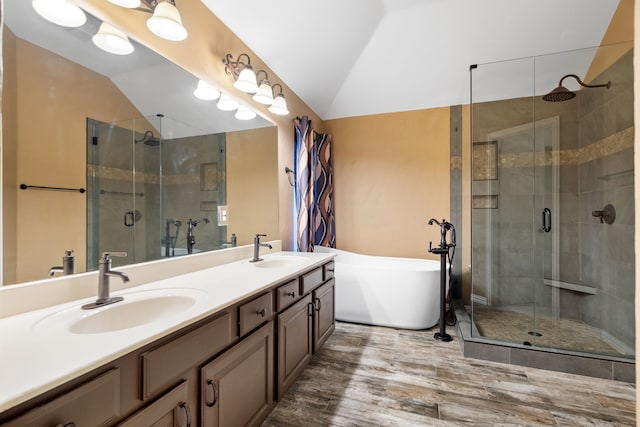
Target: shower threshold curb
572, 362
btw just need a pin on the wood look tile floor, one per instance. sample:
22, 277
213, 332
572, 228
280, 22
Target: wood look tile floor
375, 376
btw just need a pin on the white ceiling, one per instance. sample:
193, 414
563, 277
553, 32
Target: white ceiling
349, 58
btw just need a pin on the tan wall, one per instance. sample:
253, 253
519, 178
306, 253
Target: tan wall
391, 174
253, 208
50, 144
636, 107
9, 160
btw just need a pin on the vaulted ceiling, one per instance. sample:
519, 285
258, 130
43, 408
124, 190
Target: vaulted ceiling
349, 58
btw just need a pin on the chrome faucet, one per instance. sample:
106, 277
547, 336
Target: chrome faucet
191, 238
104, 272
233, 243
256, 247
68, 264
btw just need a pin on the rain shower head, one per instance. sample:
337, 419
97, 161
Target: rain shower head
149, 139
561, 93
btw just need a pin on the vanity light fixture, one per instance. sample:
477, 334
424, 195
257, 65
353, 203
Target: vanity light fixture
279, 105
165, 21
61, 12
112, 40
226, 103
264, 95
241, 72
206, 92
245, 113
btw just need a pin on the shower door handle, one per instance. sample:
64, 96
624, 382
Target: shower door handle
546, 220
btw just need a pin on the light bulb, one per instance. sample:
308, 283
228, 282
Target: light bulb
264, 94
244, 113
61, 12
226, 103
167, 23
112, 40
206, 91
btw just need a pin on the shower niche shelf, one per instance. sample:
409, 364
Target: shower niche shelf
577, 287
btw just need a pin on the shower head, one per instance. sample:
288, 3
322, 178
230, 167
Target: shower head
149, 139
561, 93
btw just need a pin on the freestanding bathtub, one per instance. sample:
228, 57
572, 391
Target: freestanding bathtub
385, 291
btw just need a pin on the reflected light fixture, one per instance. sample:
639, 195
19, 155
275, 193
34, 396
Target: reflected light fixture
130, 4
61, 12
165, 20
264, 95
206, 92
226, 103
112, 40
245, 113
279, 105
241, 72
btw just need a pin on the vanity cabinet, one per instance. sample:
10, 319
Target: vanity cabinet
224, 370
237, 387
304, 327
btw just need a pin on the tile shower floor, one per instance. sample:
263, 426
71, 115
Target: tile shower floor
514, 325
375, 376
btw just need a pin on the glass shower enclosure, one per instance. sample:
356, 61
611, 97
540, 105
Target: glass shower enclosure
552, 201
147, 178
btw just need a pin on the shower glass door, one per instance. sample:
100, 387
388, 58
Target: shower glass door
123, 178
545, 271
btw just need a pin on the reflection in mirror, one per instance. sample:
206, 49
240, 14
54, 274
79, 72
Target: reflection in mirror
75, 116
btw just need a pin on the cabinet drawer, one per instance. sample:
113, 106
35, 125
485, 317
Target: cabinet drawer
328, 270
254, 313
311, 280
287, 294
164, 364
94, 403
171, 409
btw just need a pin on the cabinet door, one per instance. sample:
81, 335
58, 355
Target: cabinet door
295, 333
170, 410
237, 387
324, 318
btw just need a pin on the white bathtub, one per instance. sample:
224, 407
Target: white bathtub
385, 291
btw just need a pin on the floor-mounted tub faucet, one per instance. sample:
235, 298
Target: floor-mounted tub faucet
191, 238
256, 247
104, 272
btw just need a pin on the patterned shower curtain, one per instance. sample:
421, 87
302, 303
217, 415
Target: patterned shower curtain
313, 200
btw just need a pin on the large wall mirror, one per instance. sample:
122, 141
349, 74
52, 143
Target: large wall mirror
129, 131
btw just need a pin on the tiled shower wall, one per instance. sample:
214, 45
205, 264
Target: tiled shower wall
595, 155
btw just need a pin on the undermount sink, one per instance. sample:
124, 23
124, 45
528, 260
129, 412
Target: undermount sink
138, 308
278, 262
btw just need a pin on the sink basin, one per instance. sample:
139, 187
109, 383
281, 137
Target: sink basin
278, 262
138, 308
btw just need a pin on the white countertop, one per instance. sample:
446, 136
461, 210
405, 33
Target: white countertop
34, 360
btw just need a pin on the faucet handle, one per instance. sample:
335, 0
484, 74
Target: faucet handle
106, 255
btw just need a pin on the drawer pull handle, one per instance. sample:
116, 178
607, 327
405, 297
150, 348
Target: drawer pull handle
319, 306
291, 294
187, 412
310, 308
331, 270
211, 385
262, 312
